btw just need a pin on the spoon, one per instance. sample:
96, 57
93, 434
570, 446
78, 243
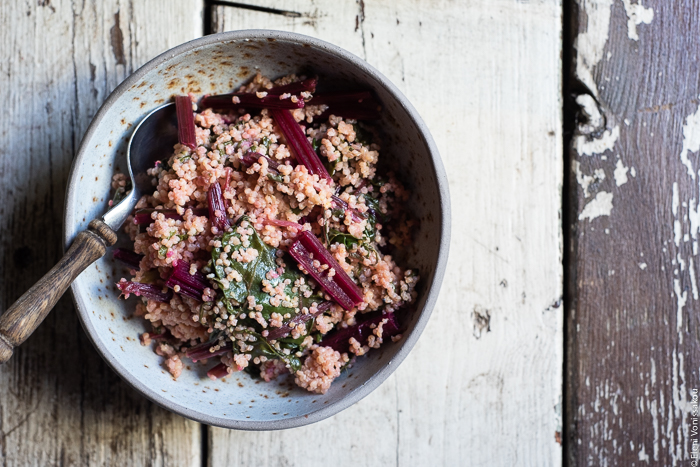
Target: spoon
152, 140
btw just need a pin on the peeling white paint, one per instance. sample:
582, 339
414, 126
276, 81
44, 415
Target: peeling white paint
691, 140
588, 146
620, 173
653, 409
693, 281
584, 143
680, 406
675, 201
694, 218
590, 44
643, 455
633, 172
680, 293
681, 298
636, 15
589, 107
642, 266
601, 205
677, 231
585, 180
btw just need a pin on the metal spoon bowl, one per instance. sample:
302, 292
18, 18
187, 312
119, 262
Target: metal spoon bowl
152, 140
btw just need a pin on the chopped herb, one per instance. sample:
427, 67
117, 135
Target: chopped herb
335, 236
262, 347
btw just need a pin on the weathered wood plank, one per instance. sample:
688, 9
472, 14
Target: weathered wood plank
633, 349
60, 404
485, 75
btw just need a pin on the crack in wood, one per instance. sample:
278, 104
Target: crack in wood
117, 40
360, 21
204, 444
5, 434
264, 9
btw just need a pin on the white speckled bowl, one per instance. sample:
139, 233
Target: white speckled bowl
217, 64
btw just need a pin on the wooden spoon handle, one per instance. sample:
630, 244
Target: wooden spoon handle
28, 312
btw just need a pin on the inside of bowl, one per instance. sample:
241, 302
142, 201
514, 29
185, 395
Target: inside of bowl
219, 67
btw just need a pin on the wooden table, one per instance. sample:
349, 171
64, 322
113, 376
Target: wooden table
565, 331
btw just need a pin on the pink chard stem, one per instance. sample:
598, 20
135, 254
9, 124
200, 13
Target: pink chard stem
337, 202
219, 371
185, 122
286, 329
249, 101
127, 257
250, 158
271, 101
308, 85
299, 143
189, 285
202, 351
356, 105
307, 249
148, 291
339, 340
217, 208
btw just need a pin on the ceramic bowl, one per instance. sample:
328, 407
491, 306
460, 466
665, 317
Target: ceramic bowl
218, 64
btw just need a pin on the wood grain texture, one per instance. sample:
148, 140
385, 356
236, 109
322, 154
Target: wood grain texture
60, 404
483, 385
19, 321
633, 348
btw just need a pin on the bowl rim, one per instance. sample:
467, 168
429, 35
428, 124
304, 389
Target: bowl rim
383, 373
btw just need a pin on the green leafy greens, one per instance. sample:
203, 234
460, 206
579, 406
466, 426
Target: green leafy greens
253, 275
